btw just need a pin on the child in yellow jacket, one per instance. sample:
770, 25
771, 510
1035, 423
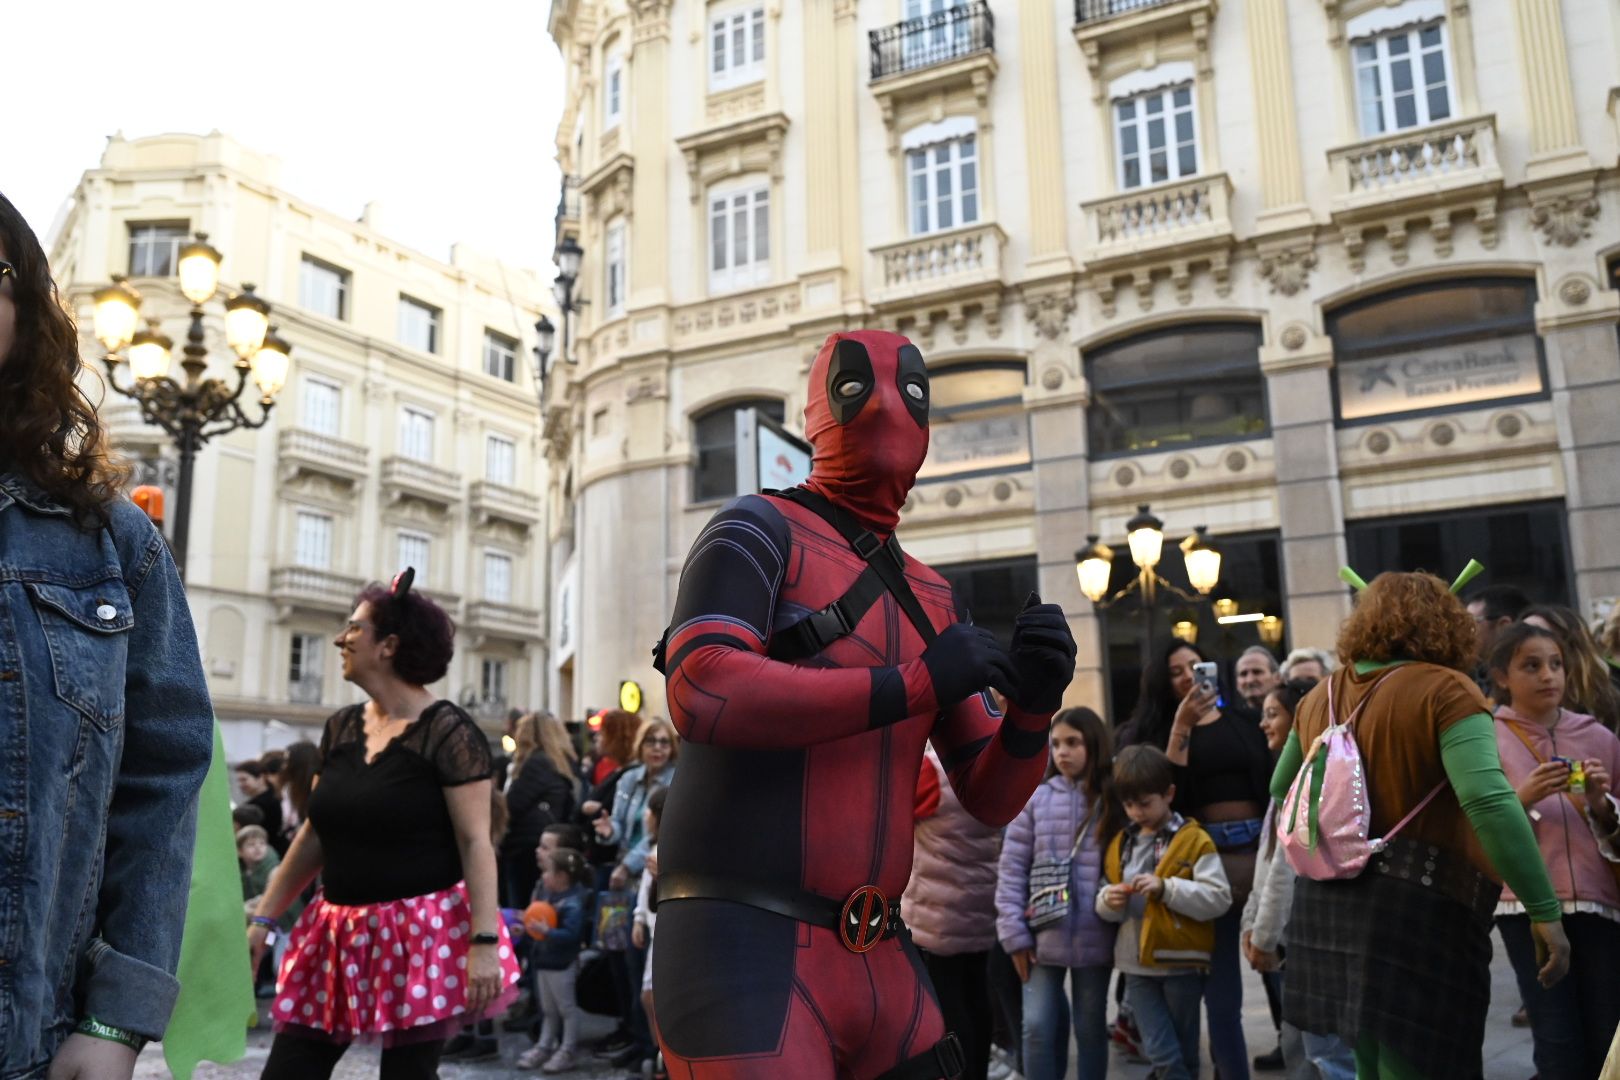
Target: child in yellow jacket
1162, 879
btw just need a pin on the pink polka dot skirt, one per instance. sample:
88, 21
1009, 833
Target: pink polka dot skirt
390, 972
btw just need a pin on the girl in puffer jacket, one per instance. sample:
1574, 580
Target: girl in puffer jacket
1074, 803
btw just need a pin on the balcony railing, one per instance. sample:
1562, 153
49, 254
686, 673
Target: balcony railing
300, 450
1442, 157
503, 620
939, 262
933, 39
1164, 214
402, 476
305, 587
1086, 11
491, 501
567, 208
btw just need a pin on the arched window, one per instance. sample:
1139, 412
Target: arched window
976, 419
714, 437
1175, 387
1436, 347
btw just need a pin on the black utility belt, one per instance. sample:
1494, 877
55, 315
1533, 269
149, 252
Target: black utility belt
862, 919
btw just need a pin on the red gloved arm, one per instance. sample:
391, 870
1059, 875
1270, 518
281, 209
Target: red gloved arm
994, 762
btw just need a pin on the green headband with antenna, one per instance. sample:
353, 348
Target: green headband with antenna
1469, 573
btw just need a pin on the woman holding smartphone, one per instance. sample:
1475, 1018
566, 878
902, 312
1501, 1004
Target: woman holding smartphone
1223, 778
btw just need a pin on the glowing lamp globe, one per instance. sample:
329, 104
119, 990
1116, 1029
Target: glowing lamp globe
1145, 535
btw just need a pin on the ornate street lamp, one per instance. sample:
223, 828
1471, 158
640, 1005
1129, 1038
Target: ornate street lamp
193, 408
569, 256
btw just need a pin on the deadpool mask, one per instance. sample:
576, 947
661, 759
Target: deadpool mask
867, 418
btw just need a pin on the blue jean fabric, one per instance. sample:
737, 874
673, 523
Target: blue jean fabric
1223, 1003
1329, 1055
1047, 1016
1573, 1022
106, 732
1165, 1008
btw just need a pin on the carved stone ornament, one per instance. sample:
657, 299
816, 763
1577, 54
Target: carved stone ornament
1052, 377
646, 387
1050, 312
1565, 220
1575, 291
1288, 270
1294, 337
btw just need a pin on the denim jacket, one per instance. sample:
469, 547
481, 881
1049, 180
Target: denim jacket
106, 732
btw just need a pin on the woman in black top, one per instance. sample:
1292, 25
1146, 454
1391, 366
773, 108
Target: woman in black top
1223, 777
404, 941
541, 792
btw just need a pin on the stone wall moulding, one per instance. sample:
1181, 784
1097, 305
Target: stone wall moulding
1048, 309
753, 144
606, 190
929, 93
1563, 212
1287, 266
762, 312
1136, 28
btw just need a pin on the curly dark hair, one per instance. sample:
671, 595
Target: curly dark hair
427, 636
49, 431
1409, 617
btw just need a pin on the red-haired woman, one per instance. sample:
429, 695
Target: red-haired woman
1396, 961
404, 943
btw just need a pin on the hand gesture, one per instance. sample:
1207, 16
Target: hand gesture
620, 878
1552, 951
590, 808
1194, 707
1043, 652
1115, 897
1263, 960
483, 978
84, 1057
965, 659
257, 938
1545, 779
1598, 785
603, 826
1149, 885
1023, 963
652, 864
638, 935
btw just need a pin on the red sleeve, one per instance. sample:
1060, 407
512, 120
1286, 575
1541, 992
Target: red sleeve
927, 801
994, 762
722, 689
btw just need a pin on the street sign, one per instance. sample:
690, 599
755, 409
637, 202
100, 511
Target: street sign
630, 696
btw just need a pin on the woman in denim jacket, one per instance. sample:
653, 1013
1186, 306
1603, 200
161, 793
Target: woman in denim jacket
106, 730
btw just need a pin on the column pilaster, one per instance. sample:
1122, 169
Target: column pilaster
1043, 138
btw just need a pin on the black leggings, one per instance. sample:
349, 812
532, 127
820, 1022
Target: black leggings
294, 1058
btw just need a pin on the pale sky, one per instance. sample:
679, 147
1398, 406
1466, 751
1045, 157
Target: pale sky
445, 113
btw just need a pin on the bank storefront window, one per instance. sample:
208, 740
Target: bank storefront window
1522, 544
1176, 387
976, 419
1437, 347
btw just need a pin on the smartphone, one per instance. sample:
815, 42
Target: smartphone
1207, 674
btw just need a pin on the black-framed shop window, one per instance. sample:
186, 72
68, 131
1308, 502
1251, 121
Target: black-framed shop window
1522, 544
976, 420
714, 437
1251, 575
994, 591
1437, 348
1181, 386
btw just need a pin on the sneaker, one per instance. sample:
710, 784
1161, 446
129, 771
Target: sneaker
612, 1044
1126, 1039
561, 1061
457, 1046
536, 1055
628, 1056
1272, 1062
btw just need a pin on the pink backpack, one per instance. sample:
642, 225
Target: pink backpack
1324, 821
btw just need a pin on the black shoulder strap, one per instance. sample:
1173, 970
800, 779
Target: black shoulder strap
884, 561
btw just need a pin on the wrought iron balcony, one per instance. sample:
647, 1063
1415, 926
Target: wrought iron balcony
1090, 11
933, 39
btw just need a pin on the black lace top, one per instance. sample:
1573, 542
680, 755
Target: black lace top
384, 825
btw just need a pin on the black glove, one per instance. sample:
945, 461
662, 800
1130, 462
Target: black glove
1043, 656
965, 659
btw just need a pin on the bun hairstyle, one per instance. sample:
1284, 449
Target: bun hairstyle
427, 636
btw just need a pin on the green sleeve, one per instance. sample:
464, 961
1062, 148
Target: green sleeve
1288, 763
1474, 767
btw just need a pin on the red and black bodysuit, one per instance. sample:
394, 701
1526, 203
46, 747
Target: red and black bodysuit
796, 784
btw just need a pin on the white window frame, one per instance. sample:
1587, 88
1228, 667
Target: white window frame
727, 205
415, 549
922, 145
1140, 120
500, 459
319, 281
1382, 66
306, 663
500, 356
736, 52
315, 414
612, 91
615, 267
412, 417
312, 540
493, 672
154, 246
499, 570
412, 315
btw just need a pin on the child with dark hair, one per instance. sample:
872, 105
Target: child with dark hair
564, 884
1163, 880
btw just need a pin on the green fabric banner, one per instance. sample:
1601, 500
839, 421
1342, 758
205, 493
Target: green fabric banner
216, 1004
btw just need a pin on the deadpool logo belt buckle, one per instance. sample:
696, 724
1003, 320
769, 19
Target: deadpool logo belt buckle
864, 918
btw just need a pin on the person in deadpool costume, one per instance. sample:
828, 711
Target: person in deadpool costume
787, 842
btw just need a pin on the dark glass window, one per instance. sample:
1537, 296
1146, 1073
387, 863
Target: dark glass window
993, 592
1188, 384
976, 419
1436, 347
1523, 544
1251, 575
714, 437
154, 247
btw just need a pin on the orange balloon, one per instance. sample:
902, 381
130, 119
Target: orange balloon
539, 914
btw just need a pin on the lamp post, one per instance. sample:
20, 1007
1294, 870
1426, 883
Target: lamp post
1144, 536
569, 255
192, 409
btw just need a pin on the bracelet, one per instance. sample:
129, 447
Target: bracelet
97, 1030
486, 938
263, 920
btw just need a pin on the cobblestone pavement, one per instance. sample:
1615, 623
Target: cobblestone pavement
1507, 1048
